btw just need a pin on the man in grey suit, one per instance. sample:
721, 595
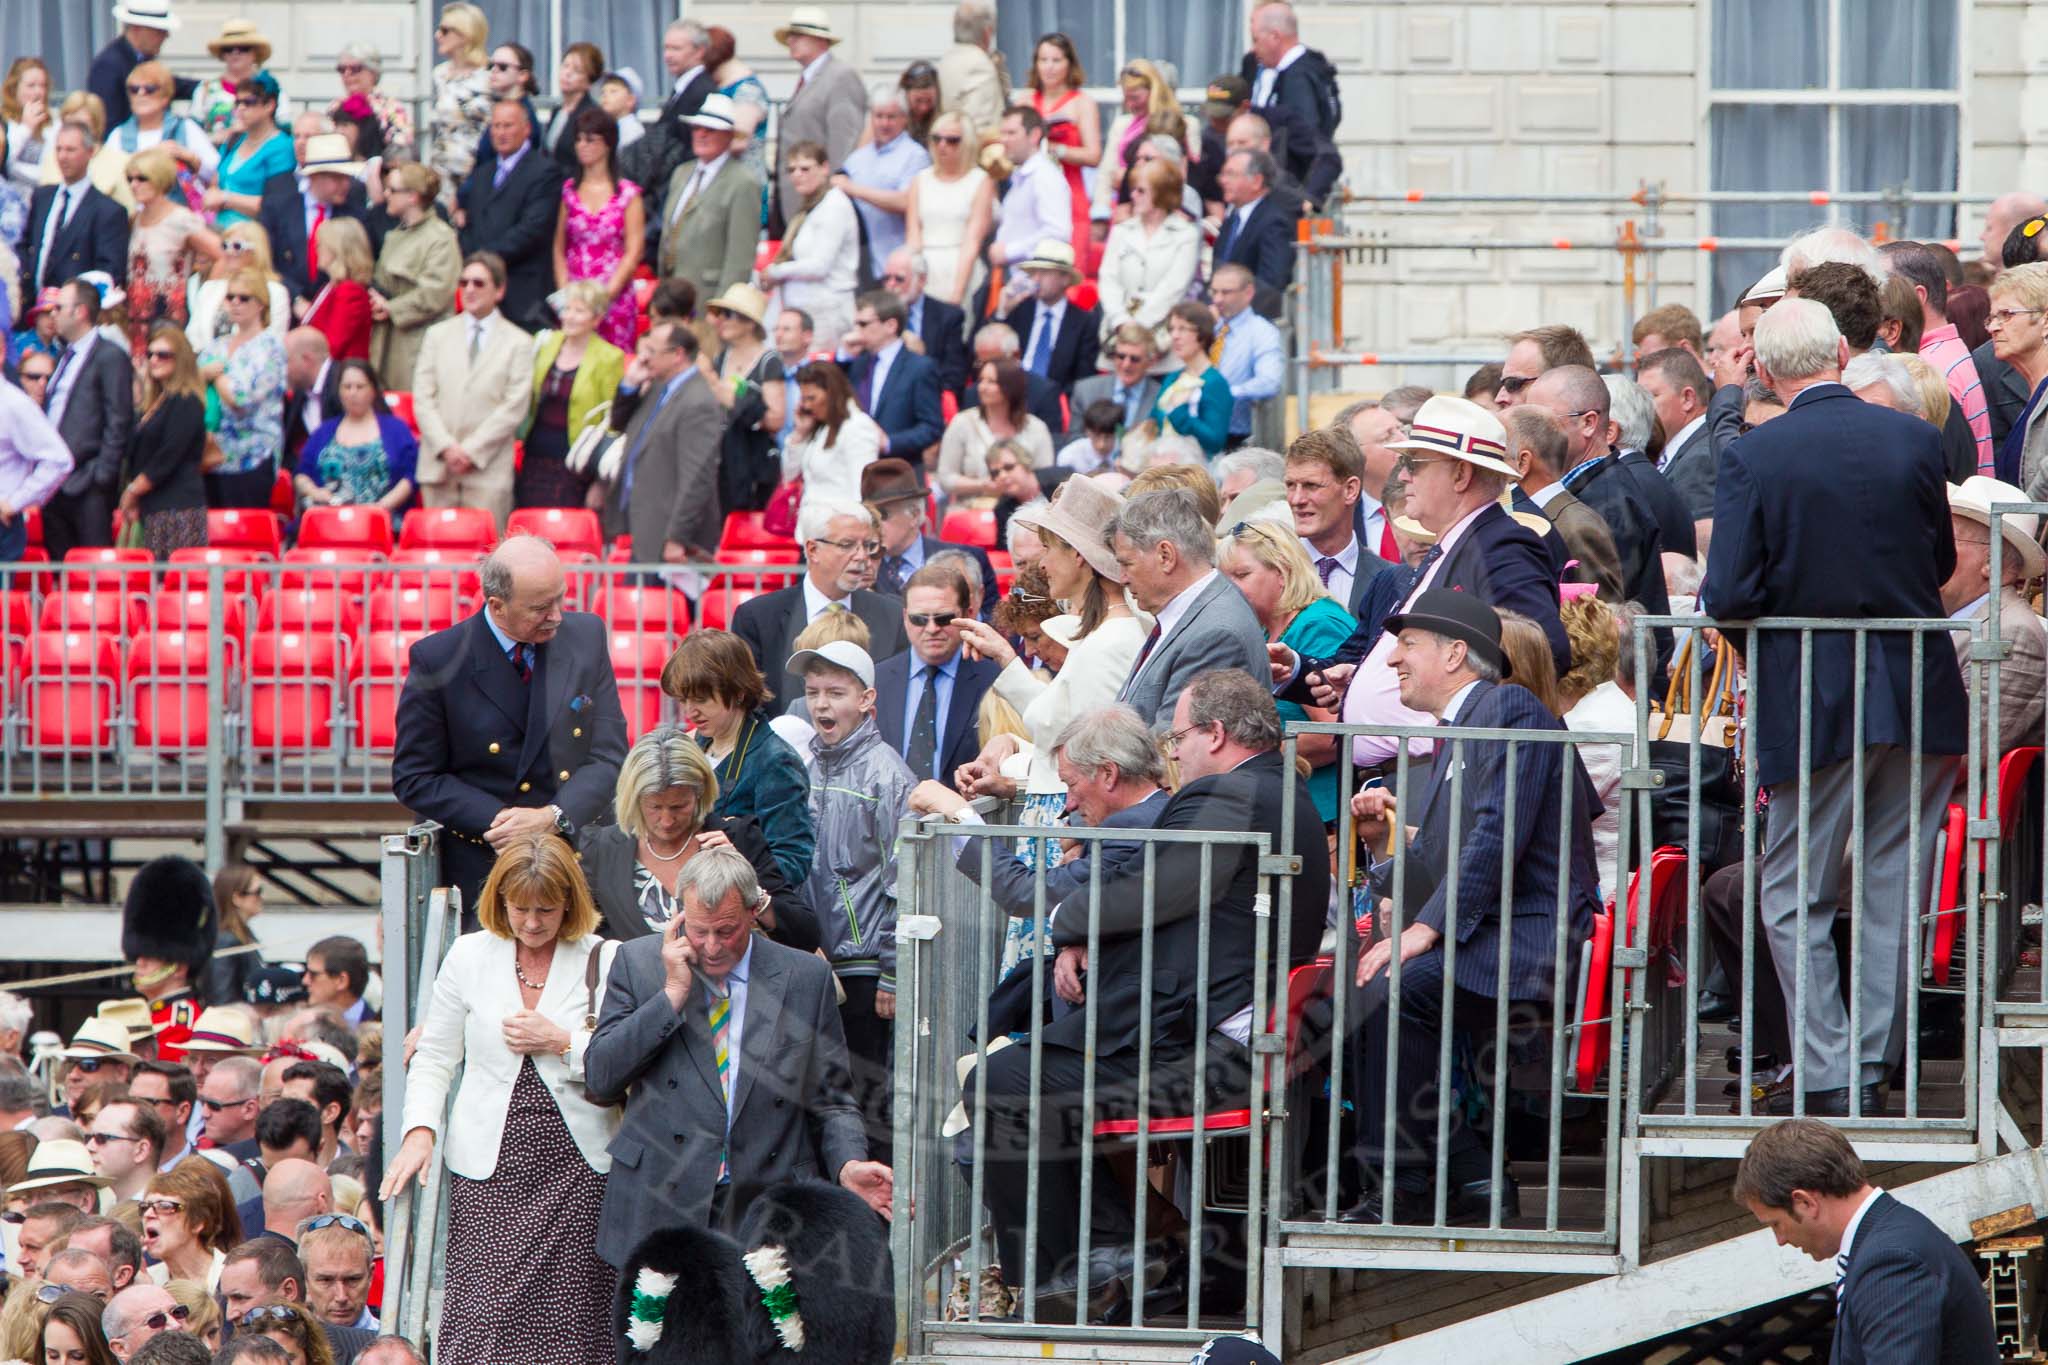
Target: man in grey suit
665, 494
1129, 383
829, 106
92, 405
1679, 390
1168, 555
701, 1024
711, 219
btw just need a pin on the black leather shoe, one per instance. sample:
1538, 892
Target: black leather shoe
1826, 1104
1473, 1200
1410, 1206
1056, 1297
1714, 1006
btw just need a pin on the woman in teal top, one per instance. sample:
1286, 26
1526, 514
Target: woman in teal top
1266, 561
260, 150
1196, 402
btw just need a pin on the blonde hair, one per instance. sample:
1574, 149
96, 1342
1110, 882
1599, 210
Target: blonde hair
1929, 384
21, 1321
10, 89
591, 295
831, 626
156, 165
1195, 479
160, 74
84, 107
1279, 549
997, 717
1530, 662
1138, 71
472, 24
422, 180
253, 282
959, 122
662, 760
258, 238
1596, 648
343, 243
538, 869
2023, 284
201, 1305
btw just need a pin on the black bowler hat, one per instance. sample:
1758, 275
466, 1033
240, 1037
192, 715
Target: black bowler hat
1459, 615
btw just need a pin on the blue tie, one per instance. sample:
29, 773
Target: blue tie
639, 443
1228, 238
1041, 354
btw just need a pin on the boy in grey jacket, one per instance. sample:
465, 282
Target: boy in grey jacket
860, 788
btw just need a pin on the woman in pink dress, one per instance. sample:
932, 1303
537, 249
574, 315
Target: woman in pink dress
1073, 130
602, 229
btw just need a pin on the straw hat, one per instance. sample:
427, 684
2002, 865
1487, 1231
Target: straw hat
154, 14
241, 33
810, 20
1050, 254
717, 113
224, 1031
1461, 429
58, 1161
743, 300
100, 1037
1080, 516
328, 153
956, 1122
1769, 289
1974, 497
131, 1014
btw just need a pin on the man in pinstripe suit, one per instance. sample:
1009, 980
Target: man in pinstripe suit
1450, 665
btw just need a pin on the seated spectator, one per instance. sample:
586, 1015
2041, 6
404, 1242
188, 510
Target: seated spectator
1196, 402
1101, 422
817, 267
1594, 700
1448, 657
997, 341
893, 384
939, 326
1188, 476
341, 307
1026, 549
1130, 383
1253, 361
576, 373
1150, 260
362, 456
1002, 414
1968, 596
1059, 339
72, 1333
833, 441
189, 1222
877, 174
293, 1191
339, 1258
839, 543
1018, 482
292, 1326
927, 698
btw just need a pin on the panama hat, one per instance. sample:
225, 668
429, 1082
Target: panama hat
147, 14
1769, 289
717, 113
222, 1030
1081, 515
808, 20
100, 1037
58, 1161
1974, 498
241, 33
328, 153
1050, 255
744, 300
1460, 429
131, 1014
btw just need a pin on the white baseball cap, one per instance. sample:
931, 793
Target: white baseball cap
840, 654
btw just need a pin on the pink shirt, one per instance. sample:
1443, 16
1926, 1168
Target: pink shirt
1943, 348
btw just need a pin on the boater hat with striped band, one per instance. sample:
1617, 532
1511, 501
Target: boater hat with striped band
1460, 429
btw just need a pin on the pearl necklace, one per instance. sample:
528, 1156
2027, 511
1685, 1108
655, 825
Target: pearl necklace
683, 848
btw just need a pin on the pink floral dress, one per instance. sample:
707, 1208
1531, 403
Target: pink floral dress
595, 243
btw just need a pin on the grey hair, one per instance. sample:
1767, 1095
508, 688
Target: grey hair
1629, 406
1870, 368
390, 1346
690, 28
1482, 669
1407, 400
1172, 515
77, 1256
1112, 736
17, 1087
1237, 701
1172, 148
973, 21
662, 760
494, 574
15, 1013
1260, 164
820, 513
1001, 335
1260, 463
913, 261
1010, 533
51, 1128
1797, 338
1278, 18
366, 53
1174, 448
887, 92
245, 1072
717, 873
1833, 244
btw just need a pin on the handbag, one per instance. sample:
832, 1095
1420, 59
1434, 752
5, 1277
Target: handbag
1671, 729
779, 519
587, 451
593, 966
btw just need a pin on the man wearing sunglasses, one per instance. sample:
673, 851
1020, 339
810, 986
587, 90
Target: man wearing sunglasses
927, 698
138, 1313
145, 26
337, 1254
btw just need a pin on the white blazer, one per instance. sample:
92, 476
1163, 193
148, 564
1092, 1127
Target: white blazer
1143, 277
464, 1026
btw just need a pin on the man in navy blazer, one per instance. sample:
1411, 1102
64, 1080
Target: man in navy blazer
512, 201
1451, 665
940, 327
291, 199
509, 722
893, 384
91, 233
1839, 508
1063, 346
1905, 1294
928, 698
1258, 231
891, 486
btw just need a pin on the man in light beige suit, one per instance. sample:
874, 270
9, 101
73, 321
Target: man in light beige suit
1968, 596
713, 207
971, 79
470, 394
829, 106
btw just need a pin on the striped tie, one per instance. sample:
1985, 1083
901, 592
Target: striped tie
1841, 1278
721, 1032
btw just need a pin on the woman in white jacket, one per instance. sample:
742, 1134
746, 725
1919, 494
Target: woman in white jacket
817, 268
1150, 260
833, 441
514, 1006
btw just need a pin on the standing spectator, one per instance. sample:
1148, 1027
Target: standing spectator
840, 545
1283, 71
575, 80
297, 205
315, 388
928, 697
1060, 338
145, 26
893, 384
189, 1222
1918, 268
1970, 595
893, 489
166, 491
940, 327
245, 243
152, 124
735, 80
26, 115
413, 286
748, 381
257, 153
1679, 390
512, 206
576, 375
966, 450
166, 244
356, 121
877, 175
1197, 402
512, 78
1151, 257
665, 494
525, 1147
238, 898
462, 96
950, 209
465, 755
603, 240
127, 1145
1073, 130
470, 392
684, 53
1781, 548
920, 86
1200, 622
2019, 343
231, 1097
1038, 207
325, 1086
1258, 232
833, 442
1251, 357
1536, 446
361, 456
242, 51
340, 309
824, 114
246, 373
72, 227
971, 77
361, 68
817, 267
34, 370
1145, 91
340, 1261
712, 220
91, 403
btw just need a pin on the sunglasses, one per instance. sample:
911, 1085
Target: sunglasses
269, 1312
215, 1106
1515, 383
1131, 358
243, 48
102, 1139
440, 29
139, 180
155, 354
940, 619
144, 89
241, 298
89, 1065
506, 66
50, 1293
475, 283
158, 1321
947, 139
163, 1207
350, 70
337, 1220
249, 101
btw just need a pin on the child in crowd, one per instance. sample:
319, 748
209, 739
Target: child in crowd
860, 788
1101, 422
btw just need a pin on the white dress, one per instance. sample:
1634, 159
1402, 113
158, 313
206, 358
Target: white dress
833, 471
943, 207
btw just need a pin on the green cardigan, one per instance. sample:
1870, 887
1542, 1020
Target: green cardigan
597, 378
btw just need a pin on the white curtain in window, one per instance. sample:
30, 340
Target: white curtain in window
64, 33
1198, 40
1893, 44
1763, 147
627, 31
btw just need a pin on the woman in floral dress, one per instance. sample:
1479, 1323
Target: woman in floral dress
166, 243
602, 229
462, 96
245, 371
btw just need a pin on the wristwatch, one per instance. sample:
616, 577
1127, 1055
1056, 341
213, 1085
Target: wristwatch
562, 825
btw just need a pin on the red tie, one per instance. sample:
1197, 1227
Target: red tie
1389, 551
313, 244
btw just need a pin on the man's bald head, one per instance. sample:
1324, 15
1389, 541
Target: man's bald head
523, 587
81, 1272
294, 1191
125, 1318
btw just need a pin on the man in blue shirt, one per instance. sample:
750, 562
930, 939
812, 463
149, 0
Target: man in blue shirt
927, 698
1253, 358
877, 177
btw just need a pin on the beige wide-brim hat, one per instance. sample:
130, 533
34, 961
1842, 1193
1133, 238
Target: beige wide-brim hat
1063, 630
743, 300
1460, 429
1769, 289
147, 14
100, 1037
1080, 514
329, 154
1415, 530
59, 1161
241, 33
222, 1030
957, 1122
1050, 254
1974, 498
131, 1014
810, 20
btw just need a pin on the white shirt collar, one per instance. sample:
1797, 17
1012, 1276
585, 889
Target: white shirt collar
1347, 558
1170, 615
817, 65
1545, 495
1244, 211
706, 170
816, 602
1674, 444
1456, 706
683, 80
1970, 611
1294, 54
1849, 1232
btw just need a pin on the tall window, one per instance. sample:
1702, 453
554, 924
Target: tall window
628, 32
1198, 40
64, 33
1836, 95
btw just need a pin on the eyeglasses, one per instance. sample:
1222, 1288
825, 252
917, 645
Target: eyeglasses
249, 101
336, 1220
1171, 743
872, 547
140, 180
241, 298
947, 139
350, 69
163, 1207
1407, 465
940, 619
506, 66
269, 1312
2008, 314
162, 1318
1515, 383
445, 28
1131, 358
895, 277
145, 88
474, 282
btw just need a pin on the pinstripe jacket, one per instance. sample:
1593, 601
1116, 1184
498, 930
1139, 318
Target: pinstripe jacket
1909, 1294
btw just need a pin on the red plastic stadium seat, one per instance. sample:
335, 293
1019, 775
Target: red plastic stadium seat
400, 403
33, 518
433, 607
244, 528
322, 609
106, 568
1668, 886
71, 680
449, 528
188, 609
949, 406
42, 582
294, 684
106, 613
326, 570
743, 531
167, 690
637, 661
283, 497
645, 610
434, 567
382, 659
573, 531
720, 603
17, 613
189, 568
762, 570
971, 526
364, 529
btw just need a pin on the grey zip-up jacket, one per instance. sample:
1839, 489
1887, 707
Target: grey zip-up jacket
859, 791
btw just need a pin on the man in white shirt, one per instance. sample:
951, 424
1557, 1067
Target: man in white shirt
34, 462
1253, 358
1038, 207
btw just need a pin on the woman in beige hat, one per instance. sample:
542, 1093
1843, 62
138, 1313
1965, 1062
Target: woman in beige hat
242, 51
413, 286
749, 382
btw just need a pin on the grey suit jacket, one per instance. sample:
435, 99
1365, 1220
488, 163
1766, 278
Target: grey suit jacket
830, 110
1691, 471
1586, 536
1097, 387
98, 417
710, 240
793, 1115
1218, 631
675, 475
